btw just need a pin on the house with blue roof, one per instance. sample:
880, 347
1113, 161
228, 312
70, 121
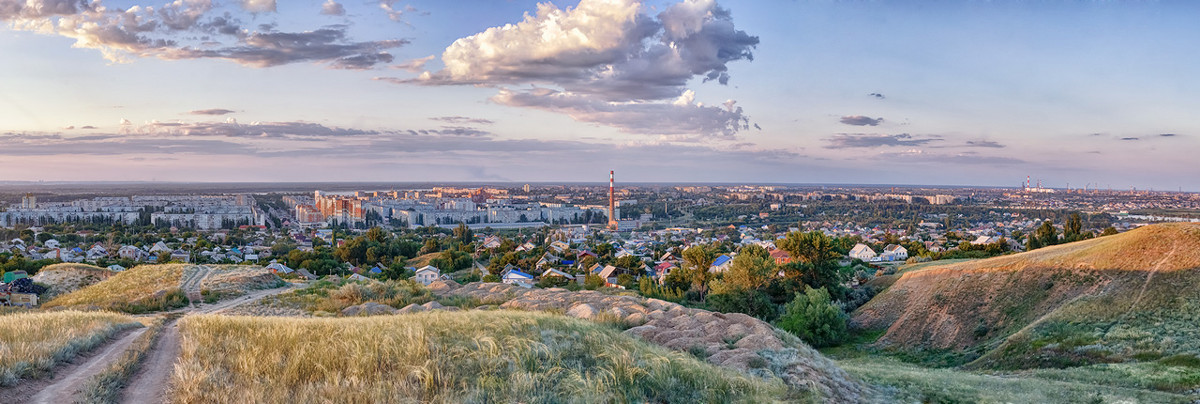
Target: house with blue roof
721, 264
519, 278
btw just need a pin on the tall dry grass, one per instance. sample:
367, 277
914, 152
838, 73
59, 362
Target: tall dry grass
142, 289
31, 343
441, 357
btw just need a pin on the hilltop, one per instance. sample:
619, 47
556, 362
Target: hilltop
66, 278
149, 288
1127, 297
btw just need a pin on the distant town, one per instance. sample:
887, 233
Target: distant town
643, 221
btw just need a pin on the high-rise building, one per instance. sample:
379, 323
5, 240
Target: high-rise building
29, 202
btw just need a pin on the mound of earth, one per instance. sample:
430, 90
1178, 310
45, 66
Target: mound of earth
734, 341
1108, 299
66, 278
236, 280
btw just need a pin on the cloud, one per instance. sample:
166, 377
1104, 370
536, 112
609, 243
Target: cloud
259, 6
214, 111
462, 120
984, 143
397, 15
332, 8
864, 140
1167, 135
859, 120
452, 131
414, 65
1130, 138
88, 127
186, 29
19, 9
683, 117
876, 95
606, 60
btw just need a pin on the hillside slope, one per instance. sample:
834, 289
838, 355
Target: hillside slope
66, 278
443, 357
1129, 296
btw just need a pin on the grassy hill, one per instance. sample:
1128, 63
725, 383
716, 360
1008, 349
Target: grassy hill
450, 357
1132, 297
143, 289
66, 278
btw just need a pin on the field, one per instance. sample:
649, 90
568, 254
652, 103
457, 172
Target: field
443, 357
32, 343
143, 289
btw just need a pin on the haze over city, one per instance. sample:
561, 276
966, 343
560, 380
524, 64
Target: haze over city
1095, 94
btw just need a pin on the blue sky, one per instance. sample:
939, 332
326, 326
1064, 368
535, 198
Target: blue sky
958, 93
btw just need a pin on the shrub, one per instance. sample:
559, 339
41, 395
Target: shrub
493, 278
814, 318
751, 302
593, 282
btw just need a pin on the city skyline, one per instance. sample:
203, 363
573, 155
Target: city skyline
661, 91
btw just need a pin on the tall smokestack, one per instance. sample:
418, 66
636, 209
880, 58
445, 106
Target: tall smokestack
612, 203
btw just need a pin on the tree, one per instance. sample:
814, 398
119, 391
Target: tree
376, 234
593, 282
697, 260
463, 233
813, 247
1073, 228
1047, 234
1108, 231
751, 269
814, 318
751, 302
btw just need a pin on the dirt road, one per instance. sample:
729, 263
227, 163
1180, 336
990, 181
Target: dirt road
70, 380
152, 381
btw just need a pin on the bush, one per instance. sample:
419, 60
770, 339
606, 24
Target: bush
492, 278
751, 302
593, 282
814, 318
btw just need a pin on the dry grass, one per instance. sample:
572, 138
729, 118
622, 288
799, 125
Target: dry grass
105, 387
139, 290
235, 280
423, 260
67, 278
441, 357
1137, 280
32, 343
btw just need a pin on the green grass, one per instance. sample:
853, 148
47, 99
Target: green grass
443, 357
32, 343
912, 383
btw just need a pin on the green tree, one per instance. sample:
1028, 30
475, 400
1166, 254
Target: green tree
697, 260
751, 302
1047, 234
593, 282
751, 269
1073, 228
813, 247
1108, 231
463, 233
814, 318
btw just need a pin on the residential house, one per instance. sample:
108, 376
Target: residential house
862, 252
554, 272
427, 274
721, 264
519, 278
133, 253
781, 257
279, 268
894, 252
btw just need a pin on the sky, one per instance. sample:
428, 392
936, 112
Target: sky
1075, 93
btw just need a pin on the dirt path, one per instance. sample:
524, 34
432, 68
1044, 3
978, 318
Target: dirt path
152, 381
191, 284
1146, 284
68, 381
149, 384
